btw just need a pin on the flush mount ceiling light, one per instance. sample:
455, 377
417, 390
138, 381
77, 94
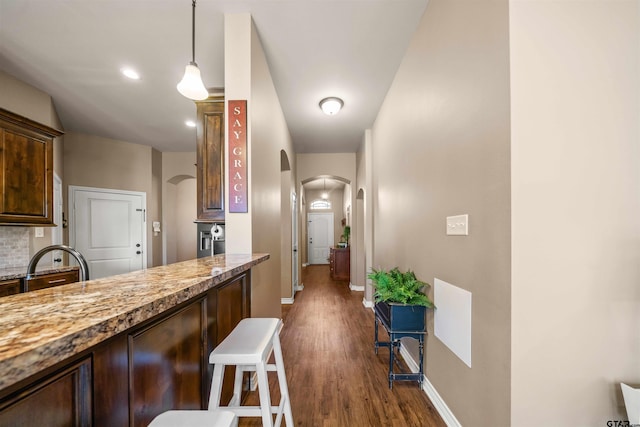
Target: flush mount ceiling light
330, 106
191, 85
190, 123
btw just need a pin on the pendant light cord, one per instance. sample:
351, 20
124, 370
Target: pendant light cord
193, 31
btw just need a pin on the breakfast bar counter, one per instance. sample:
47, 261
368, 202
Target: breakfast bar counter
119, 350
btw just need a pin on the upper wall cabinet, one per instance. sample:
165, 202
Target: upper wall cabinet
26, 171
210, 155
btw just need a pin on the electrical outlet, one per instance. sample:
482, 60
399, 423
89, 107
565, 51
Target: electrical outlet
458, 225
39, 231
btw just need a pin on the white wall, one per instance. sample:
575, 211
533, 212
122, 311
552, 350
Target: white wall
575, 210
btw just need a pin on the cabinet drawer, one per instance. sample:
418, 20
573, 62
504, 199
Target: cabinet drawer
50, 280
9, 287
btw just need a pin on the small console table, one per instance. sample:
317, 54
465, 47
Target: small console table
394, 342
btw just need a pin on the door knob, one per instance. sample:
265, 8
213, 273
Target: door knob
138, 252
57, 260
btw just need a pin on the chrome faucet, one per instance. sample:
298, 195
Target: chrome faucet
84, 267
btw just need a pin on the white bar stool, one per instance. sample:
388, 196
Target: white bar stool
195, 418
248, 347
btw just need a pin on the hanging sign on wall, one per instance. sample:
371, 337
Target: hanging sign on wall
237, 114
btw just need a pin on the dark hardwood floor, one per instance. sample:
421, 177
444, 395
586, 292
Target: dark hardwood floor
334, 376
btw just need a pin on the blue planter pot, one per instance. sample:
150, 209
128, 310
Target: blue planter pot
402, 317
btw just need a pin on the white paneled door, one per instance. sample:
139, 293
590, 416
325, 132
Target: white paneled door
107, 228
320, 230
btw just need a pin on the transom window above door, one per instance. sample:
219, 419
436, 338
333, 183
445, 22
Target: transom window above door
320, 204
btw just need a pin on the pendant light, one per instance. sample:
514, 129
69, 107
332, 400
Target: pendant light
191, 85
324, 194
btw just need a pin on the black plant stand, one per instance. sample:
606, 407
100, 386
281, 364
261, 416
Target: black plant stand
393, 343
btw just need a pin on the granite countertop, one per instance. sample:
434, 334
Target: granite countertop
9, 273
42, 328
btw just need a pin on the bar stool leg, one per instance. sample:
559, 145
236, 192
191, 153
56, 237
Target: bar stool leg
282, 380
237, 386
216, 386
265, 397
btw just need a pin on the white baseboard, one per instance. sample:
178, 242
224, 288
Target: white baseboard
299, 287
304, 264
367, 303
431, 392
286, 300
356, 288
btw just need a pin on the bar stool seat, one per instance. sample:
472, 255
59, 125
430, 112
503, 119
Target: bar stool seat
249, 347
195, 418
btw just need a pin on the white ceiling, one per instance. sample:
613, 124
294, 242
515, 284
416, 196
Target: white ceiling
74, 50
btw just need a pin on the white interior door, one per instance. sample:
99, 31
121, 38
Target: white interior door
107, 228
320, 229
294, 243
56, 232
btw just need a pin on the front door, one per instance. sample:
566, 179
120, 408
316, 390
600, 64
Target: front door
107, 228
320, 229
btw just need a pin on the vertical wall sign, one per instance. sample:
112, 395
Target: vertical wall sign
238, 156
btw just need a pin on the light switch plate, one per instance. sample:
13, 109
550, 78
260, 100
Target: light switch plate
39, 231
458, 225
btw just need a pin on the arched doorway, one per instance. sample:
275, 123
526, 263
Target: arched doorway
179, 234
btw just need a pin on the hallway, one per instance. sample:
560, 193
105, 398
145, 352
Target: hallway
334, 376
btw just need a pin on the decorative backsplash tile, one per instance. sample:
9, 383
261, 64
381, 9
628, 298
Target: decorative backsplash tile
14, 246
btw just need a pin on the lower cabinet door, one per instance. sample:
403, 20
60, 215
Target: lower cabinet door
167, 365
64, 399
9, 287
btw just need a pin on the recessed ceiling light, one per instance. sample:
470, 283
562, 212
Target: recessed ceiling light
130, 73
190, 123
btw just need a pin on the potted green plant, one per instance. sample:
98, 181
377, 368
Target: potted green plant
400, 299
344, 238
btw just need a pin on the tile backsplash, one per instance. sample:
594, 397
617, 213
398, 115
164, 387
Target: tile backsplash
14, 246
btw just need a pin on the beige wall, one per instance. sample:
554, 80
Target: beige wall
269, 135
575, 209
313, 165
364, 217
179, 206
440, 148
248, 77
93, 161
28, 101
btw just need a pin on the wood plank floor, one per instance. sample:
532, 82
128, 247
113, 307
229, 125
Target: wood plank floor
334, 376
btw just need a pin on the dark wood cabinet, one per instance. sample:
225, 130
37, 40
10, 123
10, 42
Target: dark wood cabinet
62, 399
340, 263
26, 171
9, 287
166, 364
210, 158
51, 280
160, 364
